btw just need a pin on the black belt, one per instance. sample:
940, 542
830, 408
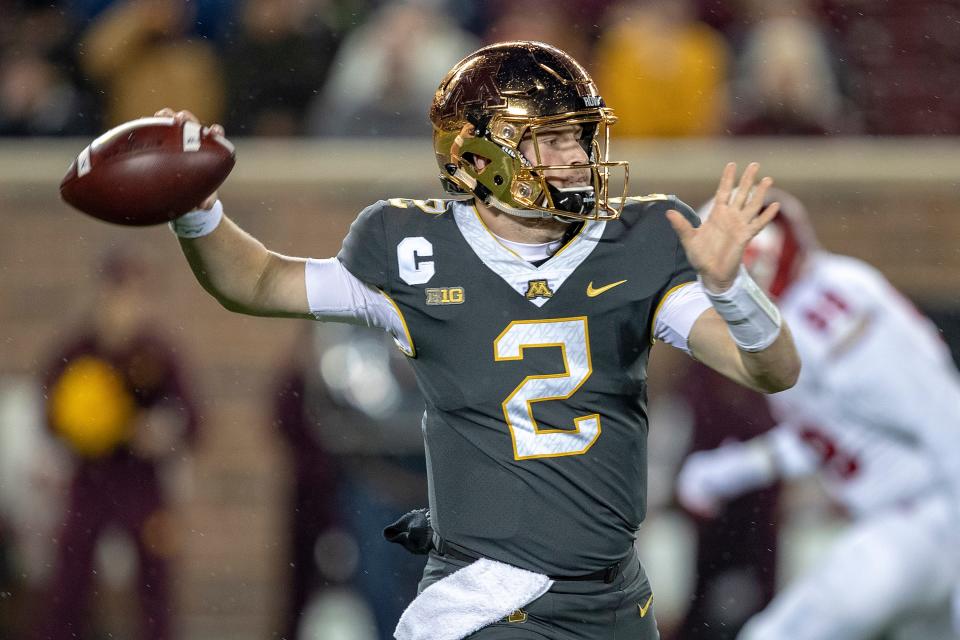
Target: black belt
607, 575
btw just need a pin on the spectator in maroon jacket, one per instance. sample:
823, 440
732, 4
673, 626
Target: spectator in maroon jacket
117, 402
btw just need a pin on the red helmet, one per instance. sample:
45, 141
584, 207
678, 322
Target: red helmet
775, 256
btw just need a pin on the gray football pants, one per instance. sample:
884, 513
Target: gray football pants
572, 610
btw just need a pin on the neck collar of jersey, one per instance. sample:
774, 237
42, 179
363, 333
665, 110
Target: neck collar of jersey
515, 270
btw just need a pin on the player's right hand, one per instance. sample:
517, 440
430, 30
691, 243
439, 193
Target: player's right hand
186, 116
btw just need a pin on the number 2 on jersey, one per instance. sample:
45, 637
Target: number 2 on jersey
572, 337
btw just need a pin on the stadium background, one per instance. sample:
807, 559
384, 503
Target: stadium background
857, 115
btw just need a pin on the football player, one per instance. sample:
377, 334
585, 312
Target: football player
527, 303
874, 414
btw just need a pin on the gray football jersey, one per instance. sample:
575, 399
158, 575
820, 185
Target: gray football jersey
533, 376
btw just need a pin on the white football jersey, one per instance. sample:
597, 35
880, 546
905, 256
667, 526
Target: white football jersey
877, 405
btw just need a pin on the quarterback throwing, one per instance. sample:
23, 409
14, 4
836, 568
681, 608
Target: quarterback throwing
527, 303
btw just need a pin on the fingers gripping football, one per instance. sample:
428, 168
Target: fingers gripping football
215, 129
715, 248
150, 170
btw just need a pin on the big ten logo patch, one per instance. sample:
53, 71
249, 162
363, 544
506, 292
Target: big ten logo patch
445, 295
538, 289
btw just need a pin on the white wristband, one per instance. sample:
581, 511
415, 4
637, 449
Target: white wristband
199, 222
753, 321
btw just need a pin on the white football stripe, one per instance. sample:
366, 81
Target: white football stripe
226, 143
120, 129
83, 163
191, 136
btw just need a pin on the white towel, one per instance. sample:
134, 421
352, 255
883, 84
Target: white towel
469, 599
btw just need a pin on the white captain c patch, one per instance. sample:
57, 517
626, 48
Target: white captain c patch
414, 258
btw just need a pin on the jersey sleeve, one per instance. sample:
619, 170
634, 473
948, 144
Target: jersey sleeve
677, 313
848, 299
683, 274
336, 295
364, 250
683, 271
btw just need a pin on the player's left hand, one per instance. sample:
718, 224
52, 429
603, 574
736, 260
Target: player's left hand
715, 248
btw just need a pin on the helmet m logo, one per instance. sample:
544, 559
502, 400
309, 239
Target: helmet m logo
538, 289
476, 87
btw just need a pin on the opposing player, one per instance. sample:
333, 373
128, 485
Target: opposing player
874, 414
527, 304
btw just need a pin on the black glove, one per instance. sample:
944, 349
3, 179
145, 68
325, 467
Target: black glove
413, 531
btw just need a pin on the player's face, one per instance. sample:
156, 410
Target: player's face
559, 146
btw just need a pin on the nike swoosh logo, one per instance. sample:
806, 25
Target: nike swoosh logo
595, 292
646, 607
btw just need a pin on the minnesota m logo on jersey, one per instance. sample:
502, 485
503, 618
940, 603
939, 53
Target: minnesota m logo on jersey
538, 289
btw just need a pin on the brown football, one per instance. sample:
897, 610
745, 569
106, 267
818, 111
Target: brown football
147, 171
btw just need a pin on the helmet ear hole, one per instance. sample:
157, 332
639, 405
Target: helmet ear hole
498, 179
480, 163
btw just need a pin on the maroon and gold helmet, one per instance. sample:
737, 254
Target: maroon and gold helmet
505, 93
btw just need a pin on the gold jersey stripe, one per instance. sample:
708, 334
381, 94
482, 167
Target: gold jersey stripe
412, 351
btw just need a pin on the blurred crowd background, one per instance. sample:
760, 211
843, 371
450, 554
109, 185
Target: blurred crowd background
240, 470
367, 67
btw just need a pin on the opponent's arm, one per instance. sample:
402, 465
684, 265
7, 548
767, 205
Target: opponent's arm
710, 478
760, 352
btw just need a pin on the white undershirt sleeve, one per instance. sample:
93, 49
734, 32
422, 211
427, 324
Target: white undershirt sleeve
677, 313
336, 295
